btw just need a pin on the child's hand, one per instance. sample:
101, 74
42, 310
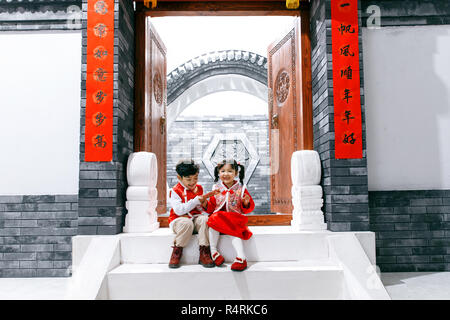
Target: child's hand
211, 193
205, 196
246, 200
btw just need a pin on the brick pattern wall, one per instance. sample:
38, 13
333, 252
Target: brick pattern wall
409, 12
36, 235
412, 230
189, 137
344, 181
102, 184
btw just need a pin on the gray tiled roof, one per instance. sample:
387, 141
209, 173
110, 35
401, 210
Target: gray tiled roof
35, 6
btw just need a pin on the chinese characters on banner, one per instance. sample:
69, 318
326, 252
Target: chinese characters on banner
99, 81
346, 81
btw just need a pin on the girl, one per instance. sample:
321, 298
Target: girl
230, 202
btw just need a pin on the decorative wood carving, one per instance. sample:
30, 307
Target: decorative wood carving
282, 86
158, 88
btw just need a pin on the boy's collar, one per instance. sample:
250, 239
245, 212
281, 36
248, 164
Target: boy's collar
185, 188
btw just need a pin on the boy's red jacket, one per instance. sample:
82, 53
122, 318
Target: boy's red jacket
185, 195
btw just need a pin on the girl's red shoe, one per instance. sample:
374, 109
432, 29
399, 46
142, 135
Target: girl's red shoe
239, 264
218, 259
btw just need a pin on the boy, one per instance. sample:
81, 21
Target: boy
186, 199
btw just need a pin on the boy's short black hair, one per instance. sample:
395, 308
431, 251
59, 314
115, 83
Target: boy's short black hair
187, 168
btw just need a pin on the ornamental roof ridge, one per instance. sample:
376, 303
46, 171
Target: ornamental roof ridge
222, 56
36, 7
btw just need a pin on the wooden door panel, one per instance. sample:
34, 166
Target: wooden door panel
290, 107
283, 116
151, 100
157, 79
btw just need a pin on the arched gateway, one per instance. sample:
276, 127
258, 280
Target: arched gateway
227, 70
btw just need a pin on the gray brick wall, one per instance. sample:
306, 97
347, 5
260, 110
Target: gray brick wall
36, 235
256, 130
125, 106
344, 181
412, 230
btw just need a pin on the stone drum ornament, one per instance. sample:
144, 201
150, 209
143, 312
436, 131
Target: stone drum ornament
142, 174
282, 87
306, 191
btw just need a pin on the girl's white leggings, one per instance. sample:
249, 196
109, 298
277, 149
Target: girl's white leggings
235, 241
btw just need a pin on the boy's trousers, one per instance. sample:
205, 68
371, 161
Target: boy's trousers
185, 227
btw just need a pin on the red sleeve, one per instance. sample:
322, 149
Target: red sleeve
211, 205
251, 204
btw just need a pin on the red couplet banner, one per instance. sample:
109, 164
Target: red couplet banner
99, 81
346, 79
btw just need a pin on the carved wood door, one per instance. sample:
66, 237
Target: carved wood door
290, 110
151, 100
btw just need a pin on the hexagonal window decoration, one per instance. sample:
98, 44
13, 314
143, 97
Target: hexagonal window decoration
231, 145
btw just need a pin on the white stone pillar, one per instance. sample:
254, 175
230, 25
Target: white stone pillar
306, 191
142, 195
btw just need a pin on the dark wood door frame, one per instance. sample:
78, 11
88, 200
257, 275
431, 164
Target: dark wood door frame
229, 8
167, 8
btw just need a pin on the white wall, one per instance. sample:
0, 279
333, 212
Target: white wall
40, 74
407, 92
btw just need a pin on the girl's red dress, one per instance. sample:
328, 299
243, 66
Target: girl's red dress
230, 222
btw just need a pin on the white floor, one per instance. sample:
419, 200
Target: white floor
417, 285
400, 286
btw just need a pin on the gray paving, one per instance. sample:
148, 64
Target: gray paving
400, 286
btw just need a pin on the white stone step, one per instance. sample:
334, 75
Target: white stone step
306, 279
281, 243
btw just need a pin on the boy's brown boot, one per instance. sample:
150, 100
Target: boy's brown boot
205, 257
176, 256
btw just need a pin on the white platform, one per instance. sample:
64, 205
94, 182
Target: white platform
283, 264
262, 280
266, 244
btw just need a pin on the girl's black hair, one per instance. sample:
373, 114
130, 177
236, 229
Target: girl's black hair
187, 168
239, 168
